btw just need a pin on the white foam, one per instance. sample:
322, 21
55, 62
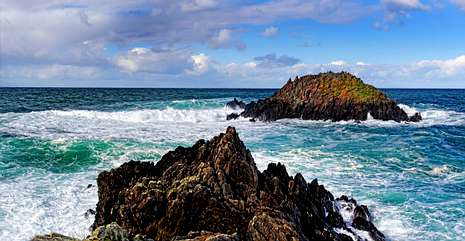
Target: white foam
40, 203
440, 170
61, 202
369, 117
409, 110
137, 116
150, 124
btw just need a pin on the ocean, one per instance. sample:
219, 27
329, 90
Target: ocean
54, 142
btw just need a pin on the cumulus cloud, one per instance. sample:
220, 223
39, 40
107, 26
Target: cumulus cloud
338, 63
264, 71
59, 25
200, 64
270, 31
437, 73
448, 67
162, 61
59, 38
224, 39
274, 61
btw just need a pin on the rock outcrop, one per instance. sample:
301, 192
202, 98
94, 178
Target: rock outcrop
235, 104
327, 96
214, 191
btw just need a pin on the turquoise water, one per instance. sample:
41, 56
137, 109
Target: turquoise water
54, 142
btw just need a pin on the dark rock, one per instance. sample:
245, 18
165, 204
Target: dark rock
362, 212
327, 96
415, 118
232, 116
236, 104
213, 191
89, 186
363, 224
89, 212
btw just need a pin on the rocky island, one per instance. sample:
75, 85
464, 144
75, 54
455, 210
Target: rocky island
326, 96
214, 191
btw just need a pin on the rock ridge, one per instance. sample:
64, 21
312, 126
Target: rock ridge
214, 191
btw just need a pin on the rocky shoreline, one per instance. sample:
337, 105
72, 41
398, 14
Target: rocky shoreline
325, 96
214, 191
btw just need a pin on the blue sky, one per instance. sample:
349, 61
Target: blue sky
218, 43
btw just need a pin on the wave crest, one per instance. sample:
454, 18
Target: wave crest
138, 116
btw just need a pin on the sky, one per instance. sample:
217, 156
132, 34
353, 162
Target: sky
230, 44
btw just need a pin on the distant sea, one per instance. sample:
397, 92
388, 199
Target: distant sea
54, 142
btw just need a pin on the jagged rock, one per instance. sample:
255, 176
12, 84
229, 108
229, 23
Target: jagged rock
89, 212
415, 118
213, 191
235, 104
327, 96
361, 217
232, 116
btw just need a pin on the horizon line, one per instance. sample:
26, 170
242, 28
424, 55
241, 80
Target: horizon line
213, 88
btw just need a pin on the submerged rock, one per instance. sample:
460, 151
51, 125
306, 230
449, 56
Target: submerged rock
415, 118
327, 96
232, 116
214, 191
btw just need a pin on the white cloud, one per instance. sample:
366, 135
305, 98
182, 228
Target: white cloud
270, 31
127, 64
338, 63
143, 63
222, 39
413, 4
164, 61
45, 30
200, 64
427, 73
444, 67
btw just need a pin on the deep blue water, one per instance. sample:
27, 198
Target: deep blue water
54, 142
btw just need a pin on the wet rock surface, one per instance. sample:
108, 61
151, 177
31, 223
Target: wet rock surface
235, 104
327, 96
213, 191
